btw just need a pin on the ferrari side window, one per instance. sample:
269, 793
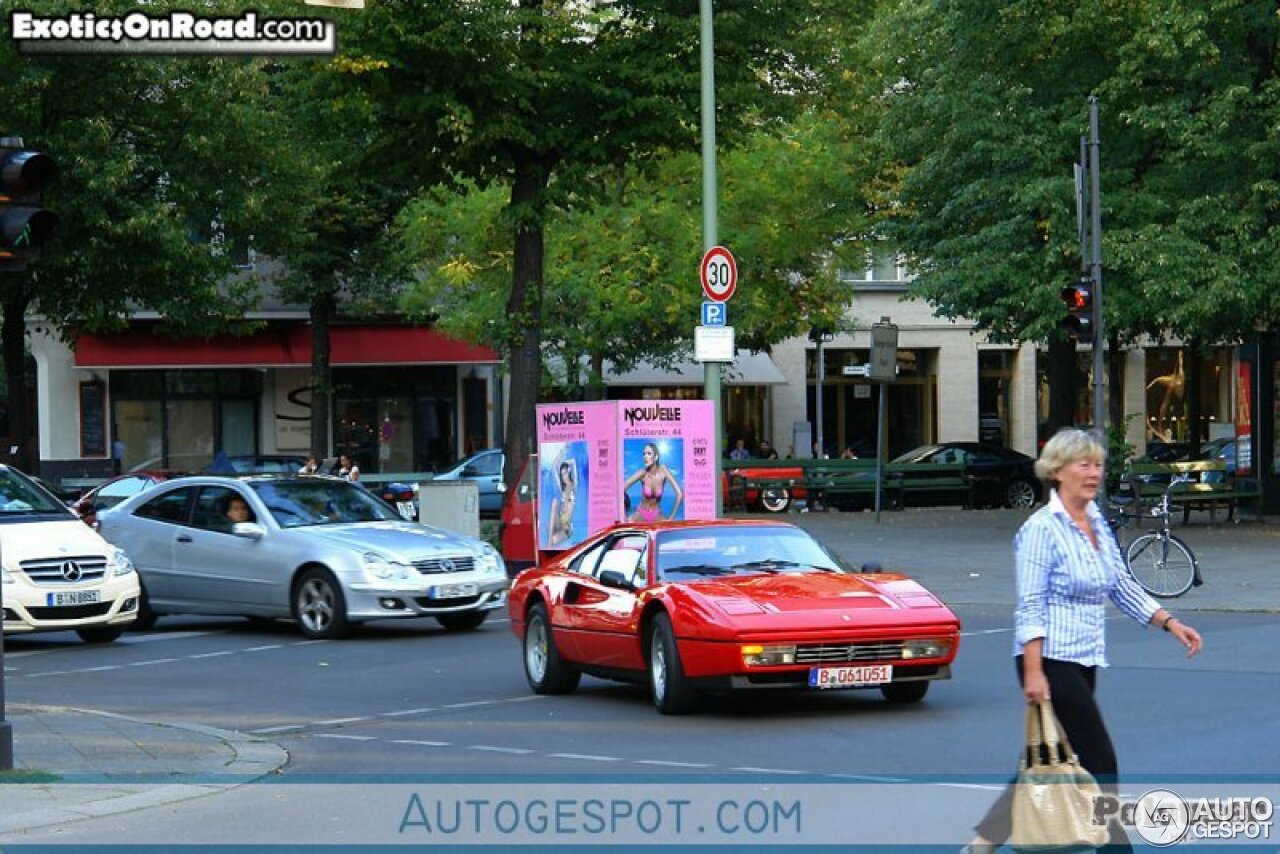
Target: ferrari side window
585, 563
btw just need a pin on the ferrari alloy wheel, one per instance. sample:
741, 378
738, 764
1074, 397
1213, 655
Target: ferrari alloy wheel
1020, 494
905, 692
775, 500
463, 621
319, 606
672, 693
543, 667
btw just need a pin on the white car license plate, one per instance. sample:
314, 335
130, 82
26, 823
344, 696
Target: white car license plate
453, 591
75, 597
408, 510
850, 677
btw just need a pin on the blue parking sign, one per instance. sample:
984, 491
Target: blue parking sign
714, 314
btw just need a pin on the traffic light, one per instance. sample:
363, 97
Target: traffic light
25, 226
1078, 323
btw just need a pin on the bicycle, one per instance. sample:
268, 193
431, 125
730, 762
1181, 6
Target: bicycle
1159, 561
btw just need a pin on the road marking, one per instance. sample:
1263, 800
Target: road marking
406, 712
588, 757
102, 668
153, 661
491, 749
213, 654
271, 729
979, 786
868, 778
668, 763
261, 648
152, 638
423, 743
749, 770
337, 721
470, 704
345, 737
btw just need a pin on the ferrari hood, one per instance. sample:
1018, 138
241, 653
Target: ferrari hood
817, 599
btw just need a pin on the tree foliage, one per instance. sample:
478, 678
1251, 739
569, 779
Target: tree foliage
984, 107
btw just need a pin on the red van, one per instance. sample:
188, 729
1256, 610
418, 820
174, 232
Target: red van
517, 534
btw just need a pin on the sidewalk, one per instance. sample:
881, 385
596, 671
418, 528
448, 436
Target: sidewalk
109, 764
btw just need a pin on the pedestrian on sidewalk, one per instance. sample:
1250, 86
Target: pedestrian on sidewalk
1068, 566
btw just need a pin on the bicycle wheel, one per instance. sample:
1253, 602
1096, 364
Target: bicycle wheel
1163, 566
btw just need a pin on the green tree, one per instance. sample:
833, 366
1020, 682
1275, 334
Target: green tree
622, 253
528, 92
984, 107
164, 179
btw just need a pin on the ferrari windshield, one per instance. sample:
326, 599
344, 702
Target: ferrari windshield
320, 501
739, 550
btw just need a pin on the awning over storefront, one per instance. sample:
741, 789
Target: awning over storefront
746, 369
279, 347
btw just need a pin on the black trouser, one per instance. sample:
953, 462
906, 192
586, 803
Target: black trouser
1071, 694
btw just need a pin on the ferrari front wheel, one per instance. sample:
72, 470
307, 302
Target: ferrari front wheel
672, 693
905, 692
543, 667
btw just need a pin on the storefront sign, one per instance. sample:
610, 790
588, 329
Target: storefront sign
1244, 418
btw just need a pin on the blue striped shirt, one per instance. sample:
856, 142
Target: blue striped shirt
1064, 582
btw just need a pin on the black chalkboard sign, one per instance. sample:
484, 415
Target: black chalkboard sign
93, 419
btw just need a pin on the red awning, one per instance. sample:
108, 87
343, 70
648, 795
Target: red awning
279, 347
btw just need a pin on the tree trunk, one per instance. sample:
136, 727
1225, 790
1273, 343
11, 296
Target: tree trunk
524, 306
14, 333
1064, 378
1191, 399
1115, 379
322, 308
595, 387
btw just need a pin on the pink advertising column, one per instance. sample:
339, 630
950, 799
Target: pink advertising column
577, 472
668, 460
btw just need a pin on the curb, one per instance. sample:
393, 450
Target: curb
94, 796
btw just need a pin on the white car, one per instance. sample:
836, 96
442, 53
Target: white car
56, 573
318, 550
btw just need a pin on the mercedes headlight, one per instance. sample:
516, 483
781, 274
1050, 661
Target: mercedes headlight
118, 562
490, 561
382, 568
6, 577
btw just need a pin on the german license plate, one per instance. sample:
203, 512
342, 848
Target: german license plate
850, 677
74, 597
453, 591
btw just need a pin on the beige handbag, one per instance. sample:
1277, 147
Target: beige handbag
1053, 798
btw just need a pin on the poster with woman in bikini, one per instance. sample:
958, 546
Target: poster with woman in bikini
652, 488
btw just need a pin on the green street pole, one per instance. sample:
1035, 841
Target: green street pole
710, 370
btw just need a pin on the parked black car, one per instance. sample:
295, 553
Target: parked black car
1001, 476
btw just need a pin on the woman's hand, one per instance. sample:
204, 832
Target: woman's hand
1187, 636
1035, 687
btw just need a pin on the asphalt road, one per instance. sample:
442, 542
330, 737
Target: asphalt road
399, 699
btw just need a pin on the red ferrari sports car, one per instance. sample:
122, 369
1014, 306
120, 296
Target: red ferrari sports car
713, 606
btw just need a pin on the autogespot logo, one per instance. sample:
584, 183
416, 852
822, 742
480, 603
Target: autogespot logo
1161, 818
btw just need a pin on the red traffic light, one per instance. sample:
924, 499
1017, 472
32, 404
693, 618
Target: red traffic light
1078, 323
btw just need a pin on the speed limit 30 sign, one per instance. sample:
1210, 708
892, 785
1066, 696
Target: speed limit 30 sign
719, 274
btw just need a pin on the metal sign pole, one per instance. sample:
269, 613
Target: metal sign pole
710, 370
880, 421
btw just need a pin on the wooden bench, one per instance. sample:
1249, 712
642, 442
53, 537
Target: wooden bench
1211, 488
935, 477
845, 483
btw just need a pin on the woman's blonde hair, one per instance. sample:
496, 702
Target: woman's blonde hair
1067, 446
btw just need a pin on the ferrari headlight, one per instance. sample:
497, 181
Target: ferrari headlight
382, 568
489, 561
119, 562
926, 648
756, 655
